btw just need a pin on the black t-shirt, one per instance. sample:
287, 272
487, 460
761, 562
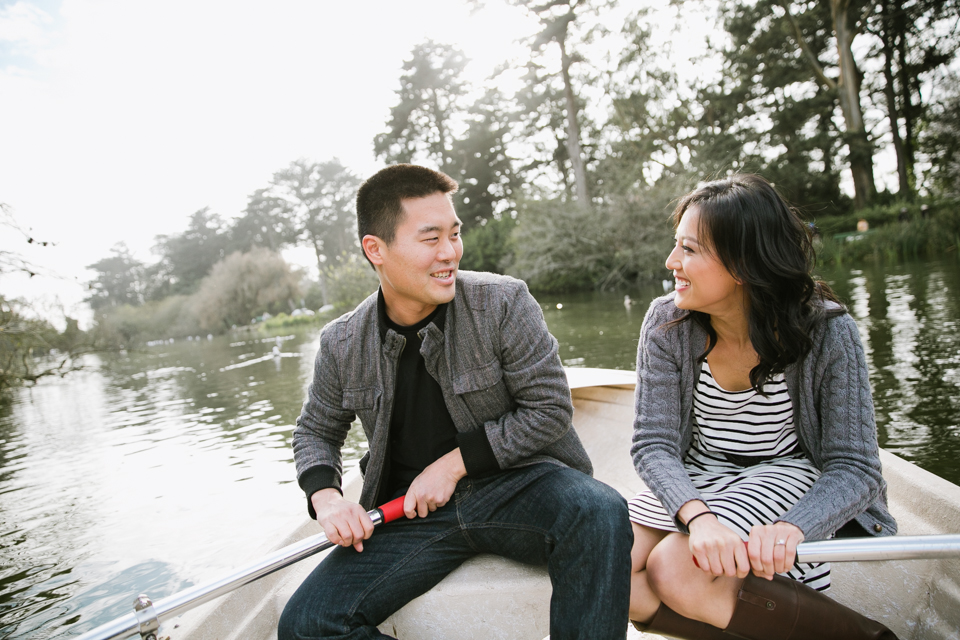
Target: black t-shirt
421, 429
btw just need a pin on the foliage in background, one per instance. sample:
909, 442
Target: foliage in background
238, 289
489, 246
120, 280
243, 286
941, 142
936, 235
351, 280
561, 247
127, 326
568, 161
32, 348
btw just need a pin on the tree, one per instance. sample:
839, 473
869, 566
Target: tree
317, 201
263, 224
31, 348
120, 280
543, 152
481, 162
243, 286
768, 112
846, 22
915, 38
941, 142
13, 261
187, 257
421, 126
556, 16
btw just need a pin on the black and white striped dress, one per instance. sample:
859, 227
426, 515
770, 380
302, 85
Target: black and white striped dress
746, 463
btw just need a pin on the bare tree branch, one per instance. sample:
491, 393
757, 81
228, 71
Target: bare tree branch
805, 48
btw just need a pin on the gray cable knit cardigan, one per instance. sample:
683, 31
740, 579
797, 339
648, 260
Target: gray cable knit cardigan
832, 412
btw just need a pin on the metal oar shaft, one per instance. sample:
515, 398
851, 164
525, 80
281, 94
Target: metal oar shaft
178, 603
871, 549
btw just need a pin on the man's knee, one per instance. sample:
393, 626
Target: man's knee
600, 506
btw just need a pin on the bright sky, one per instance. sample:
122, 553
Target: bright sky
119, 119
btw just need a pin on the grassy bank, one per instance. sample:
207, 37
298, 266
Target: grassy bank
893, 235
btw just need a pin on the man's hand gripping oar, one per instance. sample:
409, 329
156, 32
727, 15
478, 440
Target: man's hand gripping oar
346, 523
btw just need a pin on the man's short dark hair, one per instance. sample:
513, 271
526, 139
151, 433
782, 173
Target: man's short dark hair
379, 207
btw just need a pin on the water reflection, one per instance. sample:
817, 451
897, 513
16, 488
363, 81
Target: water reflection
150, 459
598, 329
908, 317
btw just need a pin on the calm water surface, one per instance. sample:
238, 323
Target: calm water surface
156, 470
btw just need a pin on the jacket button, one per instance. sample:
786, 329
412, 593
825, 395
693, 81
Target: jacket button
878, 527
770, 605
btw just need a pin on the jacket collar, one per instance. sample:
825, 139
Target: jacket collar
439, 320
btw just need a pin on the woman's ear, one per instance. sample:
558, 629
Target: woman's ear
372, 246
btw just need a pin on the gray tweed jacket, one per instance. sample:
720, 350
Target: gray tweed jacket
832, 413
496, 363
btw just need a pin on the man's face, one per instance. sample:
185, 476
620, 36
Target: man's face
418, 270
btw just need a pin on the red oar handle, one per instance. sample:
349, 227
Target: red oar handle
744, 544
392, 510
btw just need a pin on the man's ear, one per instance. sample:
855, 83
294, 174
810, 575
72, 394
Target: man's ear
371, 247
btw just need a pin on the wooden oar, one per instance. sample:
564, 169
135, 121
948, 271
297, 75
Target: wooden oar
876, 549
145, 620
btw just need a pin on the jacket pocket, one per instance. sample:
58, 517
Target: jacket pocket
359, 399
482, 377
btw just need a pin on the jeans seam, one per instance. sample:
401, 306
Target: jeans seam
510, 525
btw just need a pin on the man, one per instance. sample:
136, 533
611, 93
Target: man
466, 409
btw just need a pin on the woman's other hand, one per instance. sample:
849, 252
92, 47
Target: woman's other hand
773, 548
717, 548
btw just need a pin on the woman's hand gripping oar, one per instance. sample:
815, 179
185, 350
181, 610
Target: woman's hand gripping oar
876, 549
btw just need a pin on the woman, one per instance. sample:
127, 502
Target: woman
754, 422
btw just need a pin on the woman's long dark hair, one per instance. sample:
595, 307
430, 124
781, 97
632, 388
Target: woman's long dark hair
766, 246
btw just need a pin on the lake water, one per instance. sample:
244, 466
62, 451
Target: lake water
156, 470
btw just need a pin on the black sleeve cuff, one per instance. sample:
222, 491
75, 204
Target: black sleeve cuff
477, 453
316, 478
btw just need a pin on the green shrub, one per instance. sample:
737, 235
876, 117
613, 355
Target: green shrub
127, 326
282, 321
489, 247
933, 236
243, 286
879, 216
350, 281
560, 246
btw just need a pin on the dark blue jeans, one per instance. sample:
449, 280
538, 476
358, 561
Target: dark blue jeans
543, 514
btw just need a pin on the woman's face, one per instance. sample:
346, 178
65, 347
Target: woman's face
702, 283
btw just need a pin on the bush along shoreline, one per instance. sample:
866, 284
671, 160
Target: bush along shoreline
895, 232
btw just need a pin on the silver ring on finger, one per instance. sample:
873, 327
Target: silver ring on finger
780, 542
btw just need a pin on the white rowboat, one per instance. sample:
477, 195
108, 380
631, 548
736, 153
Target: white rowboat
491, 598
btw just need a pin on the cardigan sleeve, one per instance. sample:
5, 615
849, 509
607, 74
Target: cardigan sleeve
657, 428
850, 479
